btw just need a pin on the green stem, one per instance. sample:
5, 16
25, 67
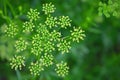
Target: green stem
5, 11
6, 18
18, 75
66, 38
11, 8
34, 78
4, 14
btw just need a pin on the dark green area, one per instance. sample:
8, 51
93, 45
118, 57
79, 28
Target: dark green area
97, 57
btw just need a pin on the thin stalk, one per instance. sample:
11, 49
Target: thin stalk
11, 8
18, 75
5, 10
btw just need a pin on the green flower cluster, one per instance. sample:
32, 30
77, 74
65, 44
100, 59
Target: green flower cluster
17, 62
49, 47
55, 36
51, 21
64, 46
44, 39
64, 21
36, 68
42, 29
77, 34
33, 14
62, 69
47, 59
21, 44
28, 26
11, 30
48, 8
110, 8
36, 45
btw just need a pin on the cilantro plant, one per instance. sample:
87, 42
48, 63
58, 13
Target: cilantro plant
40, 40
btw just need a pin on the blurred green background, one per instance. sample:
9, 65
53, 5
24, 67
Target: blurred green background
97, 57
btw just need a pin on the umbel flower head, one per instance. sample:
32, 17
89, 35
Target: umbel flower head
20, 45
33, 14
11, 30
77, 34
36, 45
47, 59
28, 26
51, 21
36, 50
62, 69
42, 29
17, 62
36, 68
45, 38
49, 47
64, 46
55, 36
64, 21
48, 8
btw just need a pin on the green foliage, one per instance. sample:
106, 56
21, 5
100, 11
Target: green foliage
110, 8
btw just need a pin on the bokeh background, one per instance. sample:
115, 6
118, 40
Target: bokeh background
97, 57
